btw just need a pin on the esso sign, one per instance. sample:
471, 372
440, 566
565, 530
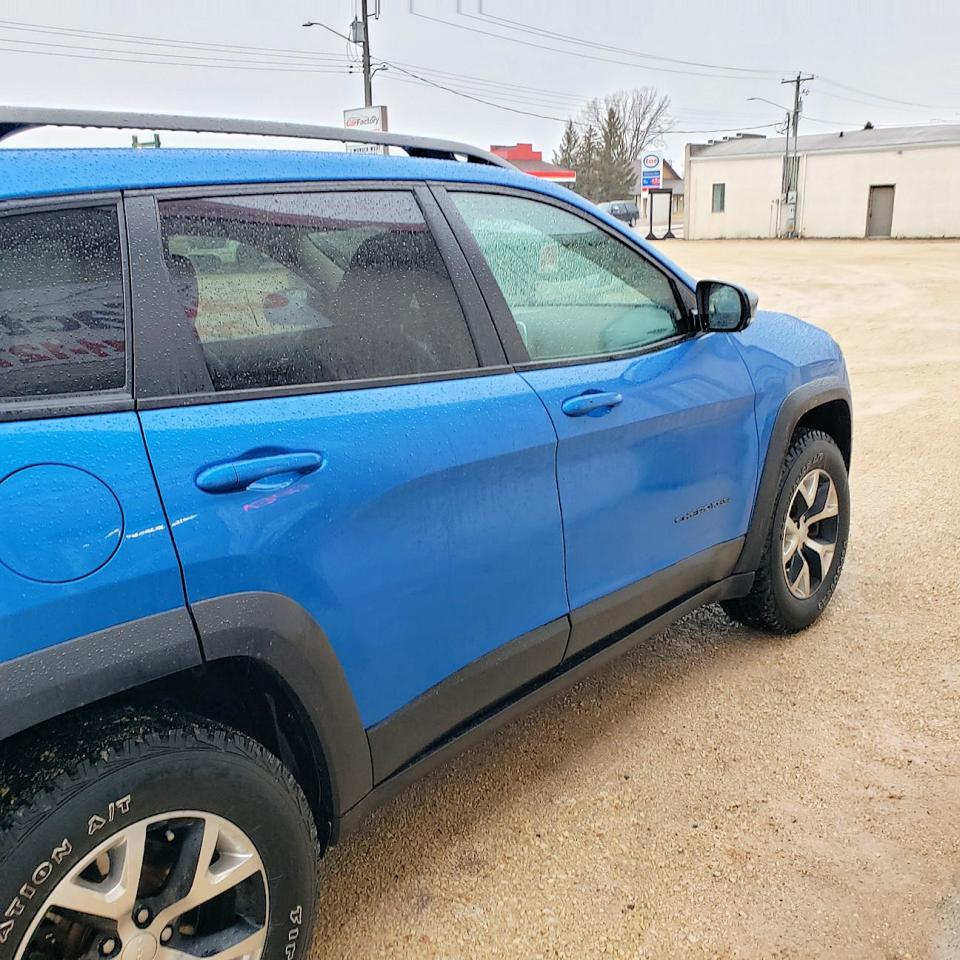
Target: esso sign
651, 171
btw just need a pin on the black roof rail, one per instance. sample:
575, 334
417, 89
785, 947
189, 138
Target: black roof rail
17, 119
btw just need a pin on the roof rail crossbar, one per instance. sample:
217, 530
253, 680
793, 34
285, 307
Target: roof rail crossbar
15, 120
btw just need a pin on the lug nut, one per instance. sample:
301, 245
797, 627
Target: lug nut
142, 917
166, 934
108, 947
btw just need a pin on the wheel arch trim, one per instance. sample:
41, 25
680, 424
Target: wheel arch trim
268, 628
277, 631
797, 404
55, 680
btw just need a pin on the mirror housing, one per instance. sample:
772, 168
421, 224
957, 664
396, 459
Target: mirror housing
725, 307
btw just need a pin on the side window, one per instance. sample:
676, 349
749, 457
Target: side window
574, 290
62, 324
311, 288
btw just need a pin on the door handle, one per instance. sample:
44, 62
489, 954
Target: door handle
240, 474
590, 403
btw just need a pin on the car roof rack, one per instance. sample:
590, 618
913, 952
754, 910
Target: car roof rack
17, 119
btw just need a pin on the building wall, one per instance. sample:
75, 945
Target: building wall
835, 189
834, 192
752, 191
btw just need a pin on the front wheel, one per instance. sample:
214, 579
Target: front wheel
136, 837
807, 541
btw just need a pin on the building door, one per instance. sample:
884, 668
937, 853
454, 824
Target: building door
880, 212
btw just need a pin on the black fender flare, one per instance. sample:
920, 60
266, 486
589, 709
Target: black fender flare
52, 681
276, 630
797, 403
266, 627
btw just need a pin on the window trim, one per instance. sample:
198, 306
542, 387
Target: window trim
514, 347
155, 365
110, 400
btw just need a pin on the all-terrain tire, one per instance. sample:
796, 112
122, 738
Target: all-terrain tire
64, 794
771, 605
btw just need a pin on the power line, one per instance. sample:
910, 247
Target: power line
539, 31
877, 96
22, 26
168, 63
205, 60
543, 116
574, 53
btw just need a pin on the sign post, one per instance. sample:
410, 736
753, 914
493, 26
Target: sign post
651, 179
366, 118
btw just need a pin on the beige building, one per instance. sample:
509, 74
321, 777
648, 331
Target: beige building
899, 182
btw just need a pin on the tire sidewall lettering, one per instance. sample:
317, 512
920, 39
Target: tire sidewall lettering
41, 879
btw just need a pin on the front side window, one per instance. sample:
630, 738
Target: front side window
573, 289
62, 328
313, 288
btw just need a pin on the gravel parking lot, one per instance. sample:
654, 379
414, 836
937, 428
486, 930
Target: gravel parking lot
718, 793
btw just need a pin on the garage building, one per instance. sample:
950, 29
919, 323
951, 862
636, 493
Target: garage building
899, 182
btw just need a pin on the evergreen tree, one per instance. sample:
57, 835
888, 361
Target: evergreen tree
615, 175
585, 163
566, 154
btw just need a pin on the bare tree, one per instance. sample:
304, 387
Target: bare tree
644, 114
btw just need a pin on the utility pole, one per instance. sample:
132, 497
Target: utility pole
367, 76
792, 173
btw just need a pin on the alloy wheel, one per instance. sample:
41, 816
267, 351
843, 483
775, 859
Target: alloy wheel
810, 533
172, 887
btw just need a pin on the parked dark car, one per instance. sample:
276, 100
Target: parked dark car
625, 210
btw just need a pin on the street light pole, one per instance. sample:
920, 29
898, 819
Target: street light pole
367, 76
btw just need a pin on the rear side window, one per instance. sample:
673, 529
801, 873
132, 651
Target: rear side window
313, 288
62, 324
573, 289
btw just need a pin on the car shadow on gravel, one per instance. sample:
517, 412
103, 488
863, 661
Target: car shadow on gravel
427, 828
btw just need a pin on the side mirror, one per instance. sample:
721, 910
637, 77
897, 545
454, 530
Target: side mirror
724, 307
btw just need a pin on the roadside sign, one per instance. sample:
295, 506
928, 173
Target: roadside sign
651, 170
365, 118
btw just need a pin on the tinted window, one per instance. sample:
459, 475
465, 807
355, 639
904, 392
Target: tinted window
311, 288
61, 303
573, 289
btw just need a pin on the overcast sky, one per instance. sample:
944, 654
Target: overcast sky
893, 63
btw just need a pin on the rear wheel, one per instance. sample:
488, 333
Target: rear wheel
806, 543
154, 839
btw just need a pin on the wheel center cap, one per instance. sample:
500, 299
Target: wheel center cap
142, 947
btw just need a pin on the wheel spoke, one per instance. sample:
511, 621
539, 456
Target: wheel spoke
113, 897
214, 871
830, 508
791, 539
824, 551
249, 947
808, 488
801, 584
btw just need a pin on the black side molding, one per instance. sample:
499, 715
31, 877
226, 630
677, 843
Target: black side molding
414, 727
800, 401
616, 611
277, 631
568, 673
51, 682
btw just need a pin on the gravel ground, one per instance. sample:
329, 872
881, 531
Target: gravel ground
716, 792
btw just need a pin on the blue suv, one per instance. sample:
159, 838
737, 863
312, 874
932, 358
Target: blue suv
314, 468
